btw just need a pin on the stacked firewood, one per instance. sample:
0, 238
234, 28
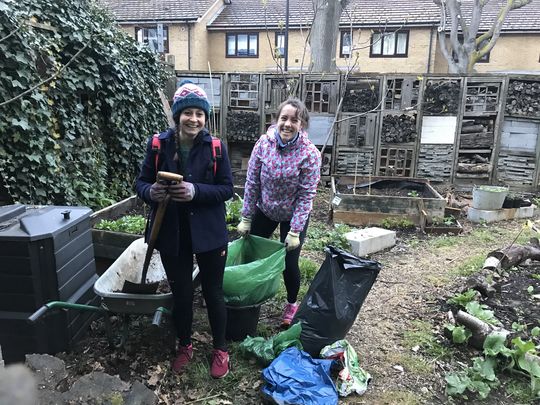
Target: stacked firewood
359, 100
441, 97
523, 98
398, 128
243, 126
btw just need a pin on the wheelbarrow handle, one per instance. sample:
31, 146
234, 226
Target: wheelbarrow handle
38, 314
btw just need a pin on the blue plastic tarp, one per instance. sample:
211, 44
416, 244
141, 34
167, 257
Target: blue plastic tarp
294, 377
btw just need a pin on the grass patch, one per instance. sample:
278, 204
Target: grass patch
469, 266
399, 397
420, 334
443, 241
519, 391
411, 363
438, 280
482, 235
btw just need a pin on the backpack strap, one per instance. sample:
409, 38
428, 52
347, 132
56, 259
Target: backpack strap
216, 152
156, 146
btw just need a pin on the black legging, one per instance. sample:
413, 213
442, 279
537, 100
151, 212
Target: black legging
179, 272
263, 226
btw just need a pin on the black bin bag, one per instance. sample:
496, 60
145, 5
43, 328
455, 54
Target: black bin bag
334, 298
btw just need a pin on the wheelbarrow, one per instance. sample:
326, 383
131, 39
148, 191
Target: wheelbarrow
113, 301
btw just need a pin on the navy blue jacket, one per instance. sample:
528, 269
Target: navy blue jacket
206, 212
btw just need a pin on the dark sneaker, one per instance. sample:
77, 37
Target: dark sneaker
220, 364
183, 357
288, 314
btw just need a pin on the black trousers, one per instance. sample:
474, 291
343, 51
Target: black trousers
263, 226
179, 271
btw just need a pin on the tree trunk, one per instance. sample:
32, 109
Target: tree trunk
324, 34
513, 255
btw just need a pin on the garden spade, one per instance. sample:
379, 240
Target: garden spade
143, 287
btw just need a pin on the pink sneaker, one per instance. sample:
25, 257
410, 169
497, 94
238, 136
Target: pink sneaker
288, 314
220, 364
183, 357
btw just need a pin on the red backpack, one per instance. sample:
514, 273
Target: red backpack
216, 150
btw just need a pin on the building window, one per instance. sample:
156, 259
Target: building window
389, 44
151, 36
242, 45
280, 45
346, 44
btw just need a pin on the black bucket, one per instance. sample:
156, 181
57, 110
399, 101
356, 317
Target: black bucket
242, 321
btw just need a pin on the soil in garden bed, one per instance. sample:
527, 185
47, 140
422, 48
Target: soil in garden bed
387, 188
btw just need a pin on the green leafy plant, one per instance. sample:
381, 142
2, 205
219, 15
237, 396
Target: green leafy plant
464, 298
530, 289
518, 327
233, 208
318, 237
134, 224
397, 223
481, 312
460, 334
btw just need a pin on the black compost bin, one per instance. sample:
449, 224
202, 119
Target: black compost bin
46, 254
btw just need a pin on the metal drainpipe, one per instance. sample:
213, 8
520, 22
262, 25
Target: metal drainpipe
189, 45
286, 62
430, 49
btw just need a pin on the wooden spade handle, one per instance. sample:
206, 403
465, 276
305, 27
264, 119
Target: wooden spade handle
169, 176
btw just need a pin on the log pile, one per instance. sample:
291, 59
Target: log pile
523, 98
441, 97
476, 133
398, 128
243, 126
359, 100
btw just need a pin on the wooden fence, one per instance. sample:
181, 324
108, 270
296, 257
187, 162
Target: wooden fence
464, 130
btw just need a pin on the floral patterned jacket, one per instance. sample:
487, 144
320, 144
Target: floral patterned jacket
282, 182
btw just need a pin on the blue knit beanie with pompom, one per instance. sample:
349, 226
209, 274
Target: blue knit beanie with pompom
190, 95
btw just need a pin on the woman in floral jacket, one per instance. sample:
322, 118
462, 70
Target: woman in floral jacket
282, 178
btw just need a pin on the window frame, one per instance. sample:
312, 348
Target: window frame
235, 35
341, 35
276, 41
381, 42
145, 41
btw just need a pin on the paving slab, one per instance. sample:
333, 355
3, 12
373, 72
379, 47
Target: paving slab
370, 240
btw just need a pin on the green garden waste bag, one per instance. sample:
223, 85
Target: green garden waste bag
266, 350
253, 270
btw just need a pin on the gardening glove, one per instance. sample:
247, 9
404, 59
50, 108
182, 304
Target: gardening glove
292, 241
244, 226
182, 192
158, 192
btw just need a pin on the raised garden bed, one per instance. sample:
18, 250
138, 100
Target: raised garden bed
444, 227
108, 245
367, 201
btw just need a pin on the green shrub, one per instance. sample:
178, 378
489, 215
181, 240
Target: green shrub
78, 98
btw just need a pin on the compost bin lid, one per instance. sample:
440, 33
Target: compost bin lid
35, 222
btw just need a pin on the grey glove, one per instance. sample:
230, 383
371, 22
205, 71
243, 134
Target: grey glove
182, 192
158, 192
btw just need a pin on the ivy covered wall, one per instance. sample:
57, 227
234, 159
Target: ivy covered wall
78, 98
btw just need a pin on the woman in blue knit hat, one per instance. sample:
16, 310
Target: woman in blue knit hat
194, 221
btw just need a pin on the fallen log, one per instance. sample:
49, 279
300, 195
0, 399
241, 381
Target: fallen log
512, 256
480, 330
